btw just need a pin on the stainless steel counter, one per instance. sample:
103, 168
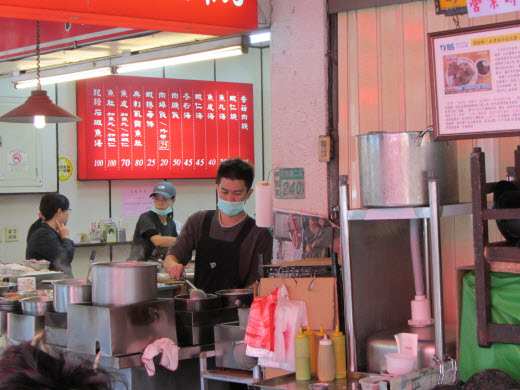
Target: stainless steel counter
289, 382
424, 379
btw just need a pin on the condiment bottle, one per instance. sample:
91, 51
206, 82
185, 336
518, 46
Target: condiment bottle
313, 350
338, 342
319, 336
302, 357
326, 364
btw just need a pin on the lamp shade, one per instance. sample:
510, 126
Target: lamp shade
39, 104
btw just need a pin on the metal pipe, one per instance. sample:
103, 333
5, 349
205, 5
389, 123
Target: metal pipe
436, 264
415, 246
426, 258
346, 272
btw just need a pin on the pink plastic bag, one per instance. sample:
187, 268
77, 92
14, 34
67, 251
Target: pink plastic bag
260, 325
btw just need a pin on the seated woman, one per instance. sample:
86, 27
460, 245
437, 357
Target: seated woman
155, 230
26, 366
48, 237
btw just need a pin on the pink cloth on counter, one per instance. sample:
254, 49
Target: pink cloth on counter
169, 359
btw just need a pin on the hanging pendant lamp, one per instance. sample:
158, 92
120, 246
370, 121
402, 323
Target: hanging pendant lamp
39, 108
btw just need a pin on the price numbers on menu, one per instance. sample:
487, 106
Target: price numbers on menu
289, 183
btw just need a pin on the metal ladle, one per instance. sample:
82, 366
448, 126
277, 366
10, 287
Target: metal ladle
195, 292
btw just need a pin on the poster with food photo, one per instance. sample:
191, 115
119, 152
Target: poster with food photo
467, 72
475, 80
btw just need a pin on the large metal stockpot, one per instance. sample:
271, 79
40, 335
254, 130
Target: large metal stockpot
393, 168
123, 283
70, 291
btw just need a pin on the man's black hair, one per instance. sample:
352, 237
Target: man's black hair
236, 169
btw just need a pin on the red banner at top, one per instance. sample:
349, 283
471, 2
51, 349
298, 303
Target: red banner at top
211, 17
153, 128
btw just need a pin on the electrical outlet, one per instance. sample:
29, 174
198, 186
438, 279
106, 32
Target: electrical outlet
325, 151
11, 234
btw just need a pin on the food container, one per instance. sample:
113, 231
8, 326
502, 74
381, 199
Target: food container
7, 287
371, 382
393, 169
185, 303
36, 306
10, 305
38, 265
236, 297
123, 283
70, 291
399, 363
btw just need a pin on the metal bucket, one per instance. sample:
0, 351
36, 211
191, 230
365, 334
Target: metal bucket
123, 283
70, 291
393, 169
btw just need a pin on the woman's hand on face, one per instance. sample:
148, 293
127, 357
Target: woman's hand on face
63, 231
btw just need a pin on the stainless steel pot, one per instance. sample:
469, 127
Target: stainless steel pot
123, 283
393, 168
236, 297
185, 303
36, 306
70, 291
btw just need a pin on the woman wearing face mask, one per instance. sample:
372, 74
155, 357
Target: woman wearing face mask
227, 241
48, 237
155, 230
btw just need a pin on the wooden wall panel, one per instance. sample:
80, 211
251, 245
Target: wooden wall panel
387, 87
391, 68
367, 59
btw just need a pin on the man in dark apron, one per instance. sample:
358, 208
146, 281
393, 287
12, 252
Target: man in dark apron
227, 241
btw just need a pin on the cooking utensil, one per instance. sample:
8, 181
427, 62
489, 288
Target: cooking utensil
70, 291
185, 303
123, 283
36, 306
393, 168
195, 293
92, 257
236, 297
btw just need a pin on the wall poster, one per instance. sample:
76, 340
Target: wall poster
475, 81
156, 128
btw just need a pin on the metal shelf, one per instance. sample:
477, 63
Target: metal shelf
407, 212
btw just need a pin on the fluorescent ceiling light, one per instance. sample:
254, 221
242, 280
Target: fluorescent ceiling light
86, 74
260, 37
183, 59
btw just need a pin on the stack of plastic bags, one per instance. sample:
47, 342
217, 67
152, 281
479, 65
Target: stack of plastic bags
273, 323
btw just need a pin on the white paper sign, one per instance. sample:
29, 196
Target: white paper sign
136, 200
17, 160
27, 284
491, 7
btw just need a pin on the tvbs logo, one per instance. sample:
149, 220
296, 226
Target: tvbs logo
448, 47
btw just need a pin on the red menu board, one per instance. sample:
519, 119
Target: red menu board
156, 128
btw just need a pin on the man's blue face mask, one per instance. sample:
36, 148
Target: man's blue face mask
230, 208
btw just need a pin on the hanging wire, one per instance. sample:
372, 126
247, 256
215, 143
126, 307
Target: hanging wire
455, 16
39, 86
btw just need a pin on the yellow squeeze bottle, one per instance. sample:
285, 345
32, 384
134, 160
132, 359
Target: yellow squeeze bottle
338, 342
312, 350
301, 357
